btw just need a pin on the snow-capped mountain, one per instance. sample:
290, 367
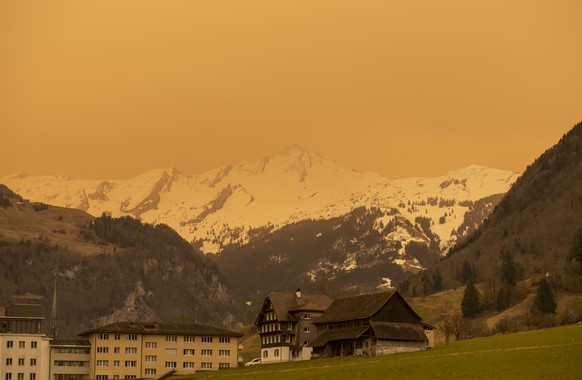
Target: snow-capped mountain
229, 205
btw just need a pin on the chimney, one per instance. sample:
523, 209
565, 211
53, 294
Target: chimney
298, 293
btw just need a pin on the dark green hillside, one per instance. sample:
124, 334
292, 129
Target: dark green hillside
338, 256
533, 227
107, 269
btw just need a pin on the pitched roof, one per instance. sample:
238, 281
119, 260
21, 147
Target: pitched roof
286, 302
156, 328
355, 307
339, 334
398, 331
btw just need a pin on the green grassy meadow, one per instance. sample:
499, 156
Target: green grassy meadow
551, 353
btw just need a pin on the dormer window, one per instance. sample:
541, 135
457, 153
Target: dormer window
306, 316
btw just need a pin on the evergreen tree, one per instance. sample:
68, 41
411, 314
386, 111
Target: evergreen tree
508, 268
576, 249
544, 300
471, 304
504, 298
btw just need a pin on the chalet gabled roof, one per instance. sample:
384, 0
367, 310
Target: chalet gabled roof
284, 303
398, 331
355, 307
155, 328
339, 334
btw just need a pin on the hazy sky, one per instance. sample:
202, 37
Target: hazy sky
110, 89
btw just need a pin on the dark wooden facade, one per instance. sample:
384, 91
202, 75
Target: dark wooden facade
369, 324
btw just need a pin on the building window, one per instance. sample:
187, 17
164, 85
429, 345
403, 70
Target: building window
151, 358
189, 339
21, 376
206, 339
131, 350
9, 344
170, 364
206, 352
171, 338
188, 364
8, 376
206, 365
32, 376
116, 350
224, 339
115, 377
223, 365
117, 336
102, 350
223, 352
102, 363
306, 343
307, 329
189, 352
131, 363
33, 344
103, 336
116, 363
20, 361
265, 354
306, 316
32, 362
8, 361
130, 377
131, 336
101, 377
287, 338
276, 353
151, 345
150, 371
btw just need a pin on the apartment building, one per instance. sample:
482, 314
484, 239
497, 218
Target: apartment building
24, 350
129, 350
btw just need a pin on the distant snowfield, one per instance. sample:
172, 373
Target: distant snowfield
225, 205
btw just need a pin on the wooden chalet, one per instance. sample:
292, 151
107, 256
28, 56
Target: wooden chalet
371, 324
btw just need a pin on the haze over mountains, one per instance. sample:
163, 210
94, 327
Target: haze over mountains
227, 205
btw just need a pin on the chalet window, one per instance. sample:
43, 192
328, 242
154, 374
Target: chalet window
306, 316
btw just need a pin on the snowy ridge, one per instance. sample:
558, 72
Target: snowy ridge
225, 205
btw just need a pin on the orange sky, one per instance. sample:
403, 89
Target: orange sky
110, 89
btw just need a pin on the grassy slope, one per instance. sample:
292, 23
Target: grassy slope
550, 353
